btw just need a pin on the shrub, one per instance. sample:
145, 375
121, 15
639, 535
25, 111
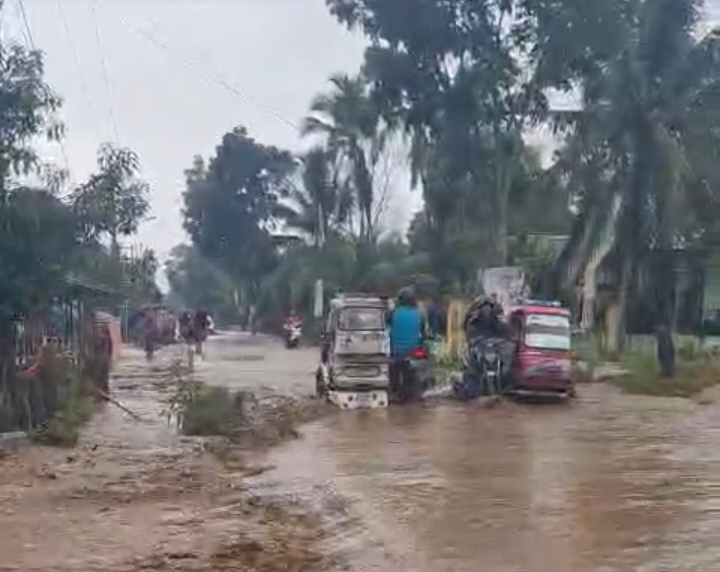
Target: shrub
68, 400
643, 377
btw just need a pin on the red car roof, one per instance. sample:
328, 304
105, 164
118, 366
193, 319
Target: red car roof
540, 309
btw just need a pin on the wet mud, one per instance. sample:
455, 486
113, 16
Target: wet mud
607, 483
134, 496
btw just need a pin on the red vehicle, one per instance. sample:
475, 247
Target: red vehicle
543, 354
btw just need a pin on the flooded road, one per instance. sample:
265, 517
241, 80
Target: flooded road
609, 483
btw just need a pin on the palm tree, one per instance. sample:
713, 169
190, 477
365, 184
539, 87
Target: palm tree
350, 126
640, 150
321, 206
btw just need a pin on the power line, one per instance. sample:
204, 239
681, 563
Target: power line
27, 33
209, 75
73, 52
103, 63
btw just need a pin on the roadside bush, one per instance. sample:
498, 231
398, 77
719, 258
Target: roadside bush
643, 377
209, 411
202, 410
68, 400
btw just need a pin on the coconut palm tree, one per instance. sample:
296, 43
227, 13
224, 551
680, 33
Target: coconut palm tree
321, 205
640, 152
350, 126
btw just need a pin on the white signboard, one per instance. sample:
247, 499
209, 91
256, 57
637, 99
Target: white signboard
507, 283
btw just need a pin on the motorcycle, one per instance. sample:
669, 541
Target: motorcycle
412, 376
293, 333
483, 370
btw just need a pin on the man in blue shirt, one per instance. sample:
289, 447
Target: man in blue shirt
406, 324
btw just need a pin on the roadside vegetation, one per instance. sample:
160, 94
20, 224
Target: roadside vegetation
644, 378
74, 397
244, 418
636, 371
60, 255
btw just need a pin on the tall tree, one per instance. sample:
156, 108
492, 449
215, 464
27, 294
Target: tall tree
113, 201
230, 206
322, 205
452, 74
350, 124
37, 231
649, 137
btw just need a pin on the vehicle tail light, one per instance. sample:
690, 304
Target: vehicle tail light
418, 353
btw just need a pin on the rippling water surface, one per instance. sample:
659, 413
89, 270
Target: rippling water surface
607, 483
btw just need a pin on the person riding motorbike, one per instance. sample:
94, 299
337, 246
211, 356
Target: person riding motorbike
185, 326
292, 319
407, 328
292, 329
150, 334
200, 327
483, 324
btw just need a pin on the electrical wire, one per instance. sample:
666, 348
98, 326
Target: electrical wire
209, 75
106, 76
73, 52
27, 33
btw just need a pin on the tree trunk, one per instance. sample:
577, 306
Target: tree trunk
7, 371
615, 320
663, 287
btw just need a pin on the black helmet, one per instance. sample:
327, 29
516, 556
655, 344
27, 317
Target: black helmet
406, 296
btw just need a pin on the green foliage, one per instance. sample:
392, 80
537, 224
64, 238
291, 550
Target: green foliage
205, 410
47, 243
27, 105
349, 122
644, 377
322, 207
113, 201
230, 205
195, 282
54, 403
37, 239
639, 155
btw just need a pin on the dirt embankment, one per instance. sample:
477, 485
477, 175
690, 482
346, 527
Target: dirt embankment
134, 495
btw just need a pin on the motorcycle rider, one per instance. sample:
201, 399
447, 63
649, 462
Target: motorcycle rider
185, 326
483, 319
293, 319
483, 323
200, 327
150, 333
407, 328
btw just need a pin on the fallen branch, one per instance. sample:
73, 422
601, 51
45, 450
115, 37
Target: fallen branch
119, 405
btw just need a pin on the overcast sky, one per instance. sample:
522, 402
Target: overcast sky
169, 103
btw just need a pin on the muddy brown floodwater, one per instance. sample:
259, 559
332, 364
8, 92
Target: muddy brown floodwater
608, 483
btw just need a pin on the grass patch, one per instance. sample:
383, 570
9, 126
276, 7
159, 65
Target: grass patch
202, 410
643, 377
72, 402
209, 411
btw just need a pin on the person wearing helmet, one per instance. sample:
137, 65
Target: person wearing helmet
483, 319
406, 328
483, 323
